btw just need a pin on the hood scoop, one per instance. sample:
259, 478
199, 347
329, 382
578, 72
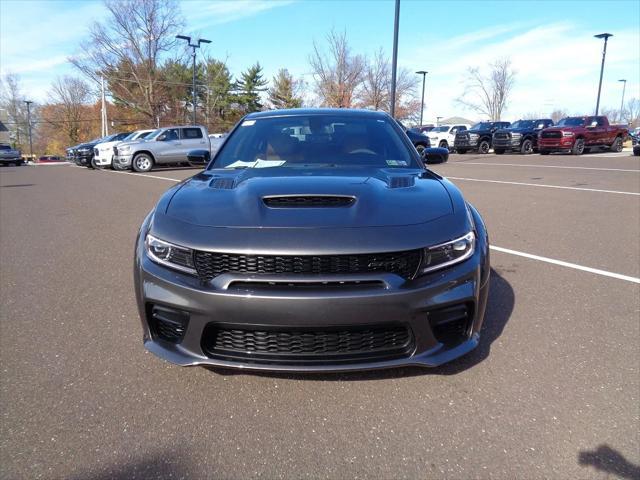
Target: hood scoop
404, 181
223, 183
308, 201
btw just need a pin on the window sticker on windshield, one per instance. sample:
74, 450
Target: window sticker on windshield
248, 123
397, 163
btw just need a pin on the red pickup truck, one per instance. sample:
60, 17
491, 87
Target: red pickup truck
579, 135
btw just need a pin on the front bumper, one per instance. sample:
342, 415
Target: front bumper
400, 303
122, 161
506, 144
465, 143
555, 144
103, 159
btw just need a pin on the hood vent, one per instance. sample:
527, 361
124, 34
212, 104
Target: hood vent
222, 183
308, 201
401, 182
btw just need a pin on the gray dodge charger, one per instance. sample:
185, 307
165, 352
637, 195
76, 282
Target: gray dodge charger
313, 240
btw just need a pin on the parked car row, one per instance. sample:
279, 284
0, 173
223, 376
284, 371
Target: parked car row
576, 135
143, 149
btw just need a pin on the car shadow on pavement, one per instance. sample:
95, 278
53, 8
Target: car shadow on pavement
606, 459
160, 465
499, 307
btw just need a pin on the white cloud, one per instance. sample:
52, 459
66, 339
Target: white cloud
202, 14
557, 66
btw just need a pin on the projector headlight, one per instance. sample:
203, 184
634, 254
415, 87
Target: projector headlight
170, 255
447, 254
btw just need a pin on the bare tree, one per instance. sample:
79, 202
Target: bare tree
376, 83
127, 49
558, 114
632, 112
489, 94
12, 100
71, 95
338, 74
376, 88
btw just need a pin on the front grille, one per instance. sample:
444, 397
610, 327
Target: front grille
306, 345
96, 151
324, 285
502, 136
551, 134
308, 201
115, 151
211, 264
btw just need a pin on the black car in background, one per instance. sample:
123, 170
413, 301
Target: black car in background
521, 136
478, 138
83, 154
419, 139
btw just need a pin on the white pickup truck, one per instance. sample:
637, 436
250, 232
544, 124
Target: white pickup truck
444, 135
103, 152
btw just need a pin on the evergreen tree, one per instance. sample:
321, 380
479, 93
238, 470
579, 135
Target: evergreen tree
248, 88
284, 91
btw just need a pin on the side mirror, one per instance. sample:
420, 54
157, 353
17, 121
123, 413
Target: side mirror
198, 158
434, 155
162, 138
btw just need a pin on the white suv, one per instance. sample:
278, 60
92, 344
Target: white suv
444, 135
103, 152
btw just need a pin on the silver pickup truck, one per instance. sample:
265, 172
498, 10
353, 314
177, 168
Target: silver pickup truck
165, 146
9, 155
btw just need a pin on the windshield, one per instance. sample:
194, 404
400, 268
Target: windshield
523, 124
315, 141
572, 122
154, 134
444, 128
482, 126
5, 147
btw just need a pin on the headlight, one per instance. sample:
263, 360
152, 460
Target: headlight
516, 135
170, 255
84, 150
567, 134
124, 148
473, 135
447, 254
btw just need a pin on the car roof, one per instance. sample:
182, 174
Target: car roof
292, 112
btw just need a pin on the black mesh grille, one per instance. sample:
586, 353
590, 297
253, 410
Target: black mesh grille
212, 264
551, 134
300, 345
308, 201
168, 324
502, 135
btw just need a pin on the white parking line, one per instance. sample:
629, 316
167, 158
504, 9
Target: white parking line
493, 247
545, 166
544, 186
566, 264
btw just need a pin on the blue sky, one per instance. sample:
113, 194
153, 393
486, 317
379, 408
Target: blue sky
550, 43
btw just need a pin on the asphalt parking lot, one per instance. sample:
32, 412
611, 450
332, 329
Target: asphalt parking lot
552, 391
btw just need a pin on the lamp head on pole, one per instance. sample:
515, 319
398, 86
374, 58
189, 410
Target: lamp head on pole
193, 41
422, 72
604, 35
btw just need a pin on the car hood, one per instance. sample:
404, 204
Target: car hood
107, 145
565, 129
381, 197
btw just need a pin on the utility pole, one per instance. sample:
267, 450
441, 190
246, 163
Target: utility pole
624, 87
105, 124
424, 74
604, 54
29, 102
394, 60
193, 43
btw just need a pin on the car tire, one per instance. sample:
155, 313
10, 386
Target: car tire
19, 163
443, 144
499, 151
420, 148
527, 147
616, 146
578, 147
484, 146
142, 162
94, 165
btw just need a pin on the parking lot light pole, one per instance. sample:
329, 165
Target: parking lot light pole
424, 74
193, 43
604, 54
624, 87
394, 60
29, 102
